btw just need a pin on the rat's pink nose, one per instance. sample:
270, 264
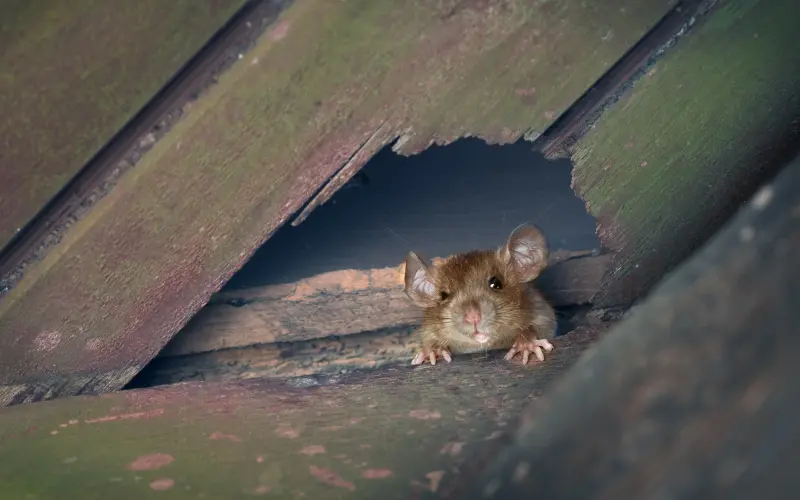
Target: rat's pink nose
472, 316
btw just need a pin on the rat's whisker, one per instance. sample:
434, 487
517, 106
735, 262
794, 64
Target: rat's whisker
388, 230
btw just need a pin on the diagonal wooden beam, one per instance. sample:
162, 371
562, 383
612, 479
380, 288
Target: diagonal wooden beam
71, 76
668, 162
257, 145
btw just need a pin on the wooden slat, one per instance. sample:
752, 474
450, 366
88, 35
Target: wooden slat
72, 74
670, 161
694, 396
317, 357
348, 302
255, 147
397, 433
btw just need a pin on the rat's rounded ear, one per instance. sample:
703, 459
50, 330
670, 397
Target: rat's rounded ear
525, 253
418, 281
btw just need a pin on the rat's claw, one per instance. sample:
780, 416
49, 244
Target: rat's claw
544, 343
526, 347
430, 354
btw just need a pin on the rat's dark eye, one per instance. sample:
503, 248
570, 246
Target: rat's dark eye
495, 283
444, 296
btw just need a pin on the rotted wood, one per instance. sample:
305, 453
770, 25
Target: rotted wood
348, 302
73, 74
667, 163
695, 395
395, 433
94, 308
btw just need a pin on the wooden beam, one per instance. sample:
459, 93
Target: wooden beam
323, 80
327, 356
348, 302
394, 433
667, 163
694, 396
73, 73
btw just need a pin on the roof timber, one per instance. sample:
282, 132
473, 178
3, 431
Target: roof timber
322, 83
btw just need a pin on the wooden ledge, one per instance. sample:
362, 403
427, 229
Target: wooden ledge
394, 433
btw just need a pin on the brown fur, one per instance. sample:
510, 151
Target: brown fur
515, 311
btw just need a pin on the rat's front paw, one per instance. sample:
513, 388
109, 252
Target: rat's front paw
430, 354
526, 347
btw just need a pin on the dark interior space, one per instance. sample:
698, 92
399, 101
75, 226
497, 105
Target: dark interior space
448, 199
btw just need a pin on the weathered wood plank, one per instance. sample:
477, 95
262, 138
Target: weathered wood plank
328, 356
695, 395
72, 74
348, 302
255, 147
670, 162
394, 433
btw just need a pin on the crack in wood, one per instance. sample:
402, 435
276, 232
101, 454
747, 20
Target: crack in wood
557, 140
382, 135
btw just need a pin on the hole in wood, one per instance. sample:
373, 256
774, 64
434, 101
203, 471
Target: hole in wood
326, 296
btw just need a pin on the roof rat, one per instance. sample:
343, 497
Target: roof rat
483, 300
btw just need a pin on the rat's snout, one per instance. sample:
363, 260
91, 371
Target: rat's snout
472, 314
474, 322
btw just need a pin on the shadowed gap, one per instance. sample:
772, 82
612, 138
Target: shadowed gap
448, 199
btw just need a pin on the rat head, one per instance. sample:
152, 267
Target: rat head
480, 296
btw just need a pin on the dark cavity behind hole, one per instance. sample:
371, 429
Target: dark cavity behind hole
448, 199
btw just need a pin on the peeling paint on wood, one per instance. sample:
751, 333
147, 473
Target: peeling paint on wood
396, 433
281, 121
72, 74
672, 160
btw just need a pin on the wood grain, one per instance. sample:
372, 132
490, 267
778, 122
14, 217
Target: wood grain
73, 74
356, 352
670, 161
348, 302
394, 433
695, 395
251, 150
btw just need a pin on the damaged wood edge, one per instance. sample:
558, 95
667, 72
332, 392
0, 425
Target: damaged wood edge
98, 177
77, 384
558, 139
699, 379
349, 302
143, 264
682, 139
383, 134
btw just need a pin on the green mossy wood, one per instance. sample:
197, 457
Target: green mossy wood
674, 157
693, 396
72, 74
397, 433
327, 78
